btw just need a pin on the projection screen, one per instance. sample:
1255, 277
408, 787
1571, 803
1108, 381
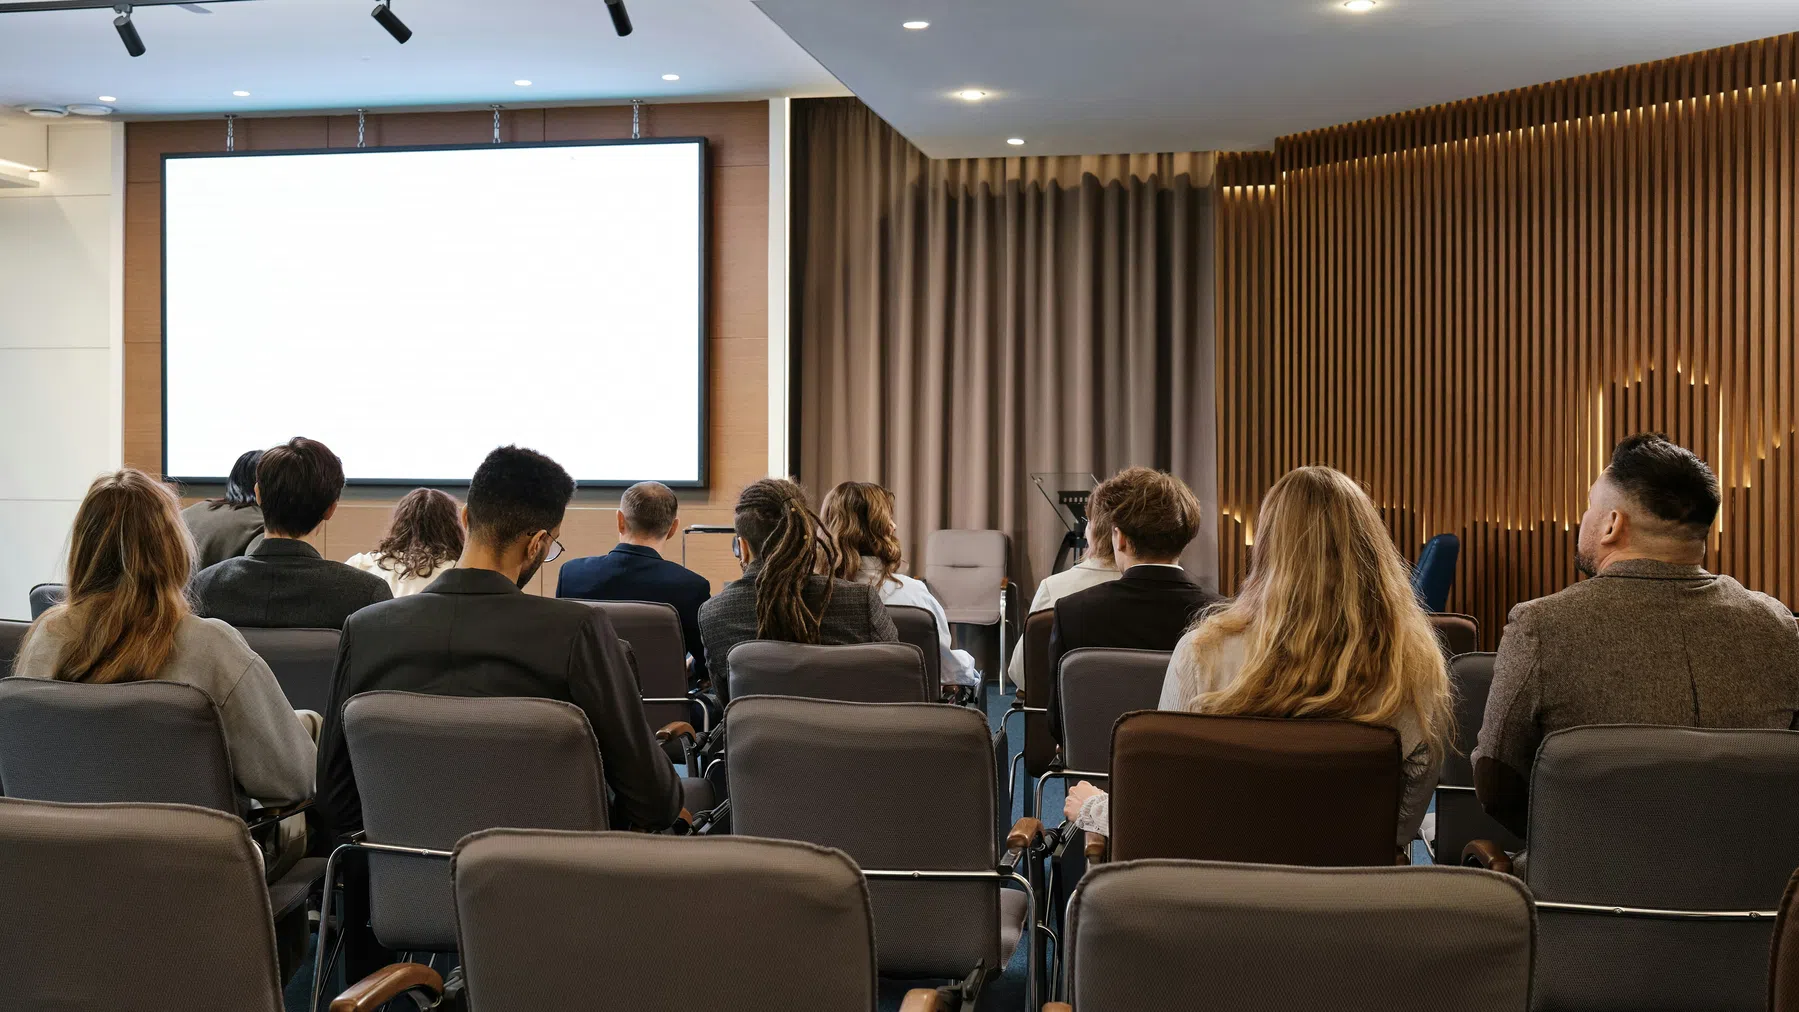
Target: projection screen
416, 307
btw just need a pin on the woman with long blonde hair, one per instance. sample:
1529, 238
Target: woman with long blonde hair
1326, 626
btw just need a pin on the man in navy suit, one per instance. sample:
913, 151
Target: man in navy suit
636, 570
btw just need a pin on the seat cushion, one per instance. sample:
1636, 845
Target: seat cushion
288, 893
698, 795
1014, 915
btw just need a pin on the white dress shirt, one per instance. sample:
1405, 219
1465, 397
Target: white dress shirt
1089, 572
900, 589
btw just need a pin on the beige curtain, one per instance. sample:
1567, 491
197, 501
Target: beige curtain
960, 325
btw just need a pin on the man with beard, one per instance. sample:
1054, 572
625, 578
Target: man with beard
1651, 638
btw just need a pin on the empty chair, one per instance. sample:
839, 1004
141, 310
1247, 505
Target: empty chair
1259, 789
12, 634
559, 919
45, 596
652, 629
129, 906
1460, 817
1100, 685
1204, 935
857, 672
970, 574
918, 627
1658, 856
1458, 634
303, 661
1434, 573
835, 774
1038, 750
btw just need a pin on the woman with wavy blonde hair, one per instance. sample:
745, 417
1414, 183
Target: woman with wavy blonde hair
1326, 626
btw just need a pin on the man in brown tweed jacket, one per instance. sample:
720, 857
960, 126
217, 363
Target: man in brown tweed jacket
1651, 638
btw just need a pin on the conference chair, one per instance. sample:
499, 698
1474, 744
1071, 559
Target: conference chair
45, 596
653, 631
1456, 634
1460, 817
1435, 572
304, 662
1098, 685
433, 769
12, 636
1783, 968
1207, 935
139, 906
1038, 749
1252, 789
970, 574
1658, 856
857, 672
554, 919
918, 627
907, 791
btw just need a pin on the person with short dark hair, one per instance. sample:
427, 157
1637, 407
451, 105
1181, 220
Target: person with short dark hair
648, 518
1154, 516
424, 538
231, 525
284, 583
1650, 638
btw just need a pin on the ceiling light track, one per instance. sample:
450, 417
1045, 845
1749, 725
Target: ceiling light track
24, 6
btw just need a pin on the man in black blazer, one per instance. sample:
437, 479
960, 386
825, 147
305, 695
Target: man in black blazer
1154, 516
284, 583
636, 570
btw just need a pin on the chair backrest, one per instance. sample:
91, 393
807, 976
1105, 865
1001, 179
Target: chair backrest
304, 662
552, 919
1660, 818
133, 907
1435, 572
834, 774
433, 769
12, 634
159, 742
45, 596
1460, 816
1200, 934
965, 569
1259, 789
1783, 969
1456, 634
653, 631
918, 627
1039, 746
856, 672
1100, 685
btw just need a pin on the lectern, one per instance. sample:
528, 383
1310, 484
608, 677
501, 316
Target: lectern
1068, 492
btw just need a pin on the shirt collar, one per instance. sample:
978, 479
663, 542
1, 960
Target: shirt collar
290, 547
643, 551
1654, 569
472, 581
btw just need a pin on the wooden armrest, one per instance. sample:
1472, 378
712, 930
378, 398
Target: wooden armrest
1096, 848
1058, 1006
386, 984
921, 999
1024, 833
676, 729
1486, 854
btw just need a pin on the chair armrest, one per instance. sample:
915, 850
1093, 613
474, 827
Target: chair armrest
1486, 854
1096, 848
1025, 832
1057, 1006
921, 999
261, 817
386, 984
677, 729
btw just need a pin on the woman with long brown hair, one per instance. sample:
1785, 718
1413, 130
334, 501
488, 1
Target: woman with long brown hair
424, 538
859, 517
1326, 626
126, 619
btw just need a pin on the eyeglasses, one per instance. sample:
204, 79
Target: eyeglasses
555, 550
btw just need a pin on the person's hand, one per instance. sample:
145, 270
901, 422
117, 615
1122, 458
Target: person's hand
1077, 796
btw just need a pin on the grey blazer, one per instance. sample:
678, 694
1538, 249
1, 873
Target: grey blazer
285, 584
222, 533
855, 615
1644, 642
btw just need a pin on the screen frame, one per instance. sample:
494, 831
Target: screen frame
705, 309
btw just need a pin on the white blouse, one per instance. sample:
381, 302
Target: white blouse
371, 562
1089, 572
902, 590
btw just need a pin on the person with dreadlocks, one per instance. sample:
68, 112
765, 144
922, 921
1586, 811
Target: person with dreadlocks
784, 549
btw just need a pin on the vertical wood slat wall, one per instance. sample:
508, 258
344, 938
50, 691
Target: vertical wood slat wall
1464, 307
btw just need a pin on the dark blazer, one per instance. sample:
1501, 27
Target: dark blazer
1148, 608
855, 615
636, 573
222, 532
285, 584
472, 632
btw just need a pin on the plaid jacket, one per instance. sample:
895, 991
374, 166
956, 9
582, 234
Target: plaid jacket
855, 615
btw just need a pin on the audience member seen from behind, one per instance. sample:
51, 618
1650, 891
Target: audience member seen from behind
783, 548
648, 516
1651, 638
231, 525
1096, 567
126, 619
423, 539
1326, 627
284, 583
1154, 516
859, 516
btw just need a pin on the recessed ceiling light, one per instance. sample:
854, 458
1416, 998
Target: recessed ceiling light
89, 109
108, 98
521, 82
1015, 141
971, 94
915, 26
1359, 6
241, 94
671, 77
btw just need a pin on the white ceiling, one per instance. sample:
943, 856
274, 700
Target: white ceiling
329, 54
1110, 76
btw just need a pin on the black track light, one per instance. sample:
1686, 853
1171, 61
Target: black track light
395, 27
621, 18
134, 43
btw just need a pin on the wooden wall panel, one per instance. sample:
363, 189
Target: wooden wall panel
1466, 306
737, 140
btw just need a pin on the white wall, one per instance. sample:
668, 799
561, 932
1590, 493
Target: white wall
61, 365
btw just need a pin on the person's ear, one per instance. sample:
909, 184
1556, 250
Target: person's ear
465, 518
1120, 543
1617, 528
329, 514
256, 490
674, 528
621, 525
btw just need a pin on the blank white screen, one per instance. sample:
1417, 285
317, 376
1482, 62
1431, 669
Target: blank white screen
415, 309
